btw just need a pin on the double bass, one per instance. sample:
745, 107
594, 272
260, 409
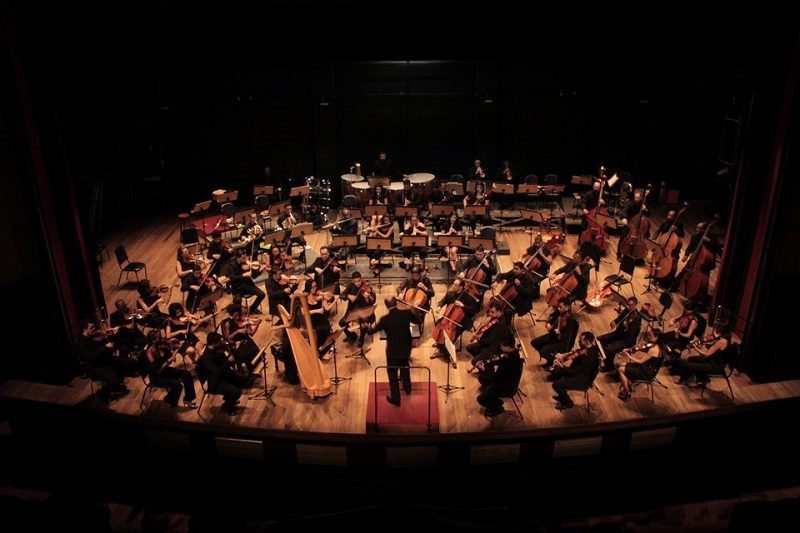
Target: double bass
694, 281
638, 226
663, 263
596, 232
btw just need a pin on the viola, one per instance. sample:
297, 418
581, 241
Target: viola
481, 365
708, 339
565, 359
481, 331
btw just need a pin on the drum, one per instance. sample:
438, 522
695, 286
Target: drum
347, 183
395, 186
424, 182
362, 191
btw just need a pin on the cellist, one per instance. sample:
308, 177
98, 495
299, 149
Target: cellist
460, 299
579, 267
523, 291
416, 290
479, 268
537, 260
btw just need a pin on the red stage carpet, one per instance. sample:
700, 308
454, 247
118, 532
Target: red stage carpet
208, 223
410, 417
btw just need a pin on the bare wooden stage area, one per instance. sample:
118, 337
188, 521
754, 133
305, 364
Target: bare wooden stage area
345, 411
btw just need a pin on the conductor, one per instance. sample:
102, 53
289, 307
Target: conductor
396, 323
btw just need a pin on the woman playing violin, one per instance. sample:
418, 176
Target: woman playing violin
278, 260
128, 336
711, 358
678, 339
626, 330
185, 262
320, 306
238, 333
149, 301
156, 364
642, 367
179, 331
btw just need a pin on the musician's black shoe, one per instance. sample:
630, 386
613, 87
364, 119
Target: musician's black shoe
389, 399
408, 392
562, 406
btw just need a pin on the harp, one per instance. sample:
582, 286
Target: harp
313, 378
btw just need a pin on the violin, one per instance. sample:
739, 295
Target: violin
708, 339
565, 359
481, 331
481, 365
643, 347
627, 319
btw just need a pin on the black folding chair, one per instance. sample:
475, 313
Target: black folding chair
127, 266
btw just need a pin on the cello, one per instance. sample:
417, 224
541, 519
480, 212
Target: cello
595, 232
638, 226
476, 277
564, 286
663, 263
694, 280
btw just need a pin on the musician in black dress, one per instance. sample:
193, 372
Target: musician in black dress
358, 295
325, 270
215, 367
477, 198
560, 326
642, 367
95, 350
626, 330
179, 331
486, 340
156, 361
580, 374
242, 284
522, 303
417, 228
277, 259
347, 225
128, 336
397, 326
219, 252
499, 377
278, 291
686, 327
320, 307
711, 359
379, 196
149, 302
238, 333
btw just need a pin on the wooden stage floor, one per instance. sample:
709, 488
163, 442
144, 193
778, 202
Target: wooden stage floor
345, 411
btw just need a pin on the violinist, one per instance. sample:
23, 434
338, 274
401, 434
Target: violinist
156, 364
325, 269
278, 291
252, 233
626, 330
215, 365
358, 295
379, 196
278, 260
581, 372
219, 251
678, 339
642, 367
580, 267
500, 377
415, 227
418, 282
241, 277
459, 296
486, 339
238, 333
452, 226
149, 300
477, 197
128, 336
185, 262
383, 229
347, 225
96, 352
320, 306
195, 285
524, 291
287, 220
179, 331
561, 327
711, 358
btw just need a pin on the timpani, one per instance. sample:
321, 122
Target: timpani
362, 191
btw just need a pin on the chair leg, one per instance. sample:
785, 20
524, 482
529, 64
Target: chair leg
514, 401
119, 278
730, 388
145, 272
652, 396
200, 406
588, 405
141, 401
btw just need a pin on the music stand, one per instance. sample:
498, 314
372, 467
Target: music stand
277, 208
355, 213
302, 190
300, 231
456, 187
227, 196
200, 207
535, 216
451, 351
475, 210
488, 244
503, 188
441, 210
360, 314
471, 184
336, 379
378, 243
209, 300
266, 190
276, 238
413, 241
349, 241
406, 211
375, 210
266, 394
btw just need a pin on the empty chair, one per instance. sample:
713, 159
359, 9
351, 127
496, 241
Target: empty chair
665, 299
551, 179
457, 177
626, 266
532, 179
127, 266
488, 232
228, 209
349, 201
262, 202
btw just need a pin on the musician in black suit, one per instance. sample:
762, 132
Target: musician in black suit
242, 284
523, 302
278, 291
216, 367
358, 295
499, 377
626, 330
287, 220
397, 325
96, 352
580, 374
466, 302
326, 270
561, 326
581, 268
383, 167
347, 226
